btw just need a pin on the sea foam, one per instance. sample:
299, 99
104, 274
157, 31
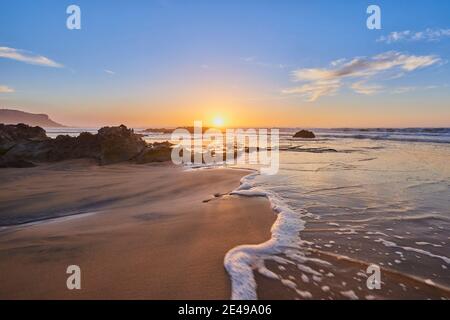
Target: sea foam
242, 260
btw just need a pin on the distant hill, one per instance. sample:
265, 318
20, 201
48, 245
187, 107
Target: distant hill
8, 116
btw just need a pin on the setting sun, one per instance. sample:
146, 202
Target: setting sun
218, 122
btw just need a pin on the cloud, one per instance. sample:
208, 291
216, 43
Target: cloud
337, 62
401, 90
362, 88
312, 91
27, 57
6, 89
319, 82
408, 35
109, 72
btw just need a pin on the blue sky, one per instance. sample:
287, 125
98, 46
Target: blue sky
253, 62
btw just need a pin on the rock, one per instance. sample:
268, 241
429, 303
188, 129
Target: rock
18, 144
156, 152
159, 130
118, 144
109, 145
13, 134
305, 134
63, 147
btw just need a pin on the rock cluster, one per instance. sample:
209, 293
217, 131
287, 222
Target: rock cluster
23, 146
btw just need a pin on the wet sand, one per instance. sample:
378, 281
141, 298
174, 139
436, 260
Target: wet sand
330, 286
136, 231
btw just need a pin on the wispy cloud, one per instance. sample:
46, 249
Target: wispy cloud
337, 62
315, 89
364, 88
6, 89
27, 57
408, 35
319, 82
109, 72
401, 90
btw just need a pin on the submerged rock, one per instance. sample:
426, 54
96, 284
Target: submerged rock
305, 134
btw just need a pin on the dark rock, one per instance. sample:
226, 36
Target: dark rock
12, 134
18, 143
63, 147
305, 134
118, 144
159, 130
109, 145
156, 152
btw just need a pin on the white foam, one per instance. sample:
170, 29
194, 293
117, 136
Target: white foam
305, 278
325, 288
289, 283
350, 294
266, 272
304, 294
423, 243
240, 261
424, 252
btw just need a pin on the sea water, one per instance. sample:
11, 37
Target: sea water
345, 200
349, 199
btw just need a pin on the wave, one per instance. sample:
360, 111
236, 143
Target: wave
241, 260
441, 130
387, 243
388, 137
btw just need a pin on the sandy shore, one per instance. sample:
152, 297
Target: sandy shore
146, 232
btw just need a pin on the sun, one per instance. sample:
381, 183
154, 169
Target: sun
218, 122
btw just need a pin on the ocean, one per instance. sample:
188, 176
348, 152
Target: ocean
346, 200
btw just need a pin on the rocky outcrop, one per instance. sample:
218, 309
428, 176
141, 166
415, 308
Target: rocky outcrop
22, 146
156, 152
11, 135
159, 130
305, 134
118, 144
20, 132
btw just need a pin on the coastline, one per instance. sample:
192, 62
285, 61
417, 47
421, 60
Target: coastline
157, 233
163, 232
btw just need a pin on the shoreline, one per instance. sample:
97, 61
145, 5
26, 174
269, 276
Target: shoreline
153, 237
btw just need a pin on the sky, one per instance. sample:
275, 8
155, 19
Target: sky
251, 63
